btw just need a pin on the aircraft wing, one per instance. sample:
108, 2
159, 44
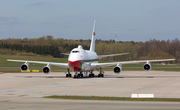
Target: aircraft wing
65, 65
96, 65
101, 56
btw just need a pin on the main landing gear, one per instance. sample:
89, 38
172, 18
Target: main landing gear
69, 74
101, 73
78, 75
91, 74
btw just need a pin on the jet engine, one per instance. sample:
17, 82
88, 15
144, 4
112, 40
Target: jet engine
46, 69
147, 67
117, 69
24, 67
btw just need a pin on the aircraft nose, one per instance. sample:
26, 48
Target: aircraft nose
74, 65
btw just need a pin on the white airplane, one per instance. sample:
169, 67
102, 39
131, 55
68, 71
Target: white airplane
81, 60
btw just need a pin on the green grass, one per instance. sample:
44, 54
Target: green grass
126, 67
113, 98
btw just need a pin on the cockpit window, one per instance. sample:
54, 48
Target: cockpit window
75, 51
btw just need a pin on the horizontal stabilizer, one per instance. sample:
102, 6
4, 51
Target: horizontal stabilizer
110, 55
65, 53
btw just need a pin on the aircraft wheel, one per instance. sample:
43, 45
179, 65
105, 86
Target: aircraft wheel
99, 75
70, 75
67, 75
92, 75
75, 76
81, 75
102, 75
78, 76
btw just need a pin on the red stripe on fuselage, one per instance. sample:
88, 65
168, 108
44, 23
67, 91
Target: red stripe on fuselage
76, 65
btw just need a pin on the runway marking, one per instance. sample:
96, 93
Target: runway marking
5, 101
7, 90
51, 84
65, 86
33, 92
22, 95
89, 82
33, 84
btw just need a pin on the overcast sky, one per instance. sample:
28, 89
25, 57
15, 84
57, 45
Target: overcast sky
136, 20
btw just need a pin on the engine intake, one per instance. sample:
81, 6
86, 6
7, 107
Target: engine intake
117, 69
147, 67
46, 69
24, 67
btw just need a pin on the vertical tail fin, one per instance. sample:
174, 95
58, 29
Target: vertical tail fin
92, 47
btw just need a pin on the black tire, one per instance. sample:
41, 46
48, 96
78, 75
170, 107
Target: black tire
75, 76
92, 75
81, 75
70, 75
67, 75
102, 75
99, 75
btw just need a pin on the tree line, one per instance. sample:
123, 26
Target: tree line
37, 49
47, 45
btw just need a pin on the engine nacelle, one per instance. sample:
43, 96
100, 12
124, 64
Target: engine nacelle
24, 67
117, 69
147, 67
46, 69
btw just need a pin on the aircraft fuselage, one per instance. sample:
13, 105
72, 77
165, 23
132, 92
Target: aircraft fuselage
80, 59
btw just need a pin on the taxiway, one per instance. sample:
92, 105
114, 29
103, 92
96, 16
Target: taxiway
27, 89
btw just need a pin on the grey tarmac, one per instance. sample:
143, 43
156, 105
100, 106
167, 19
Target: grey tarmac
25, 90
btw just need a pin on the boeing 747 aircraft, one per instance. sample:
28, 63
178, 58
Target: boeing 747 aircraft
86, 61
